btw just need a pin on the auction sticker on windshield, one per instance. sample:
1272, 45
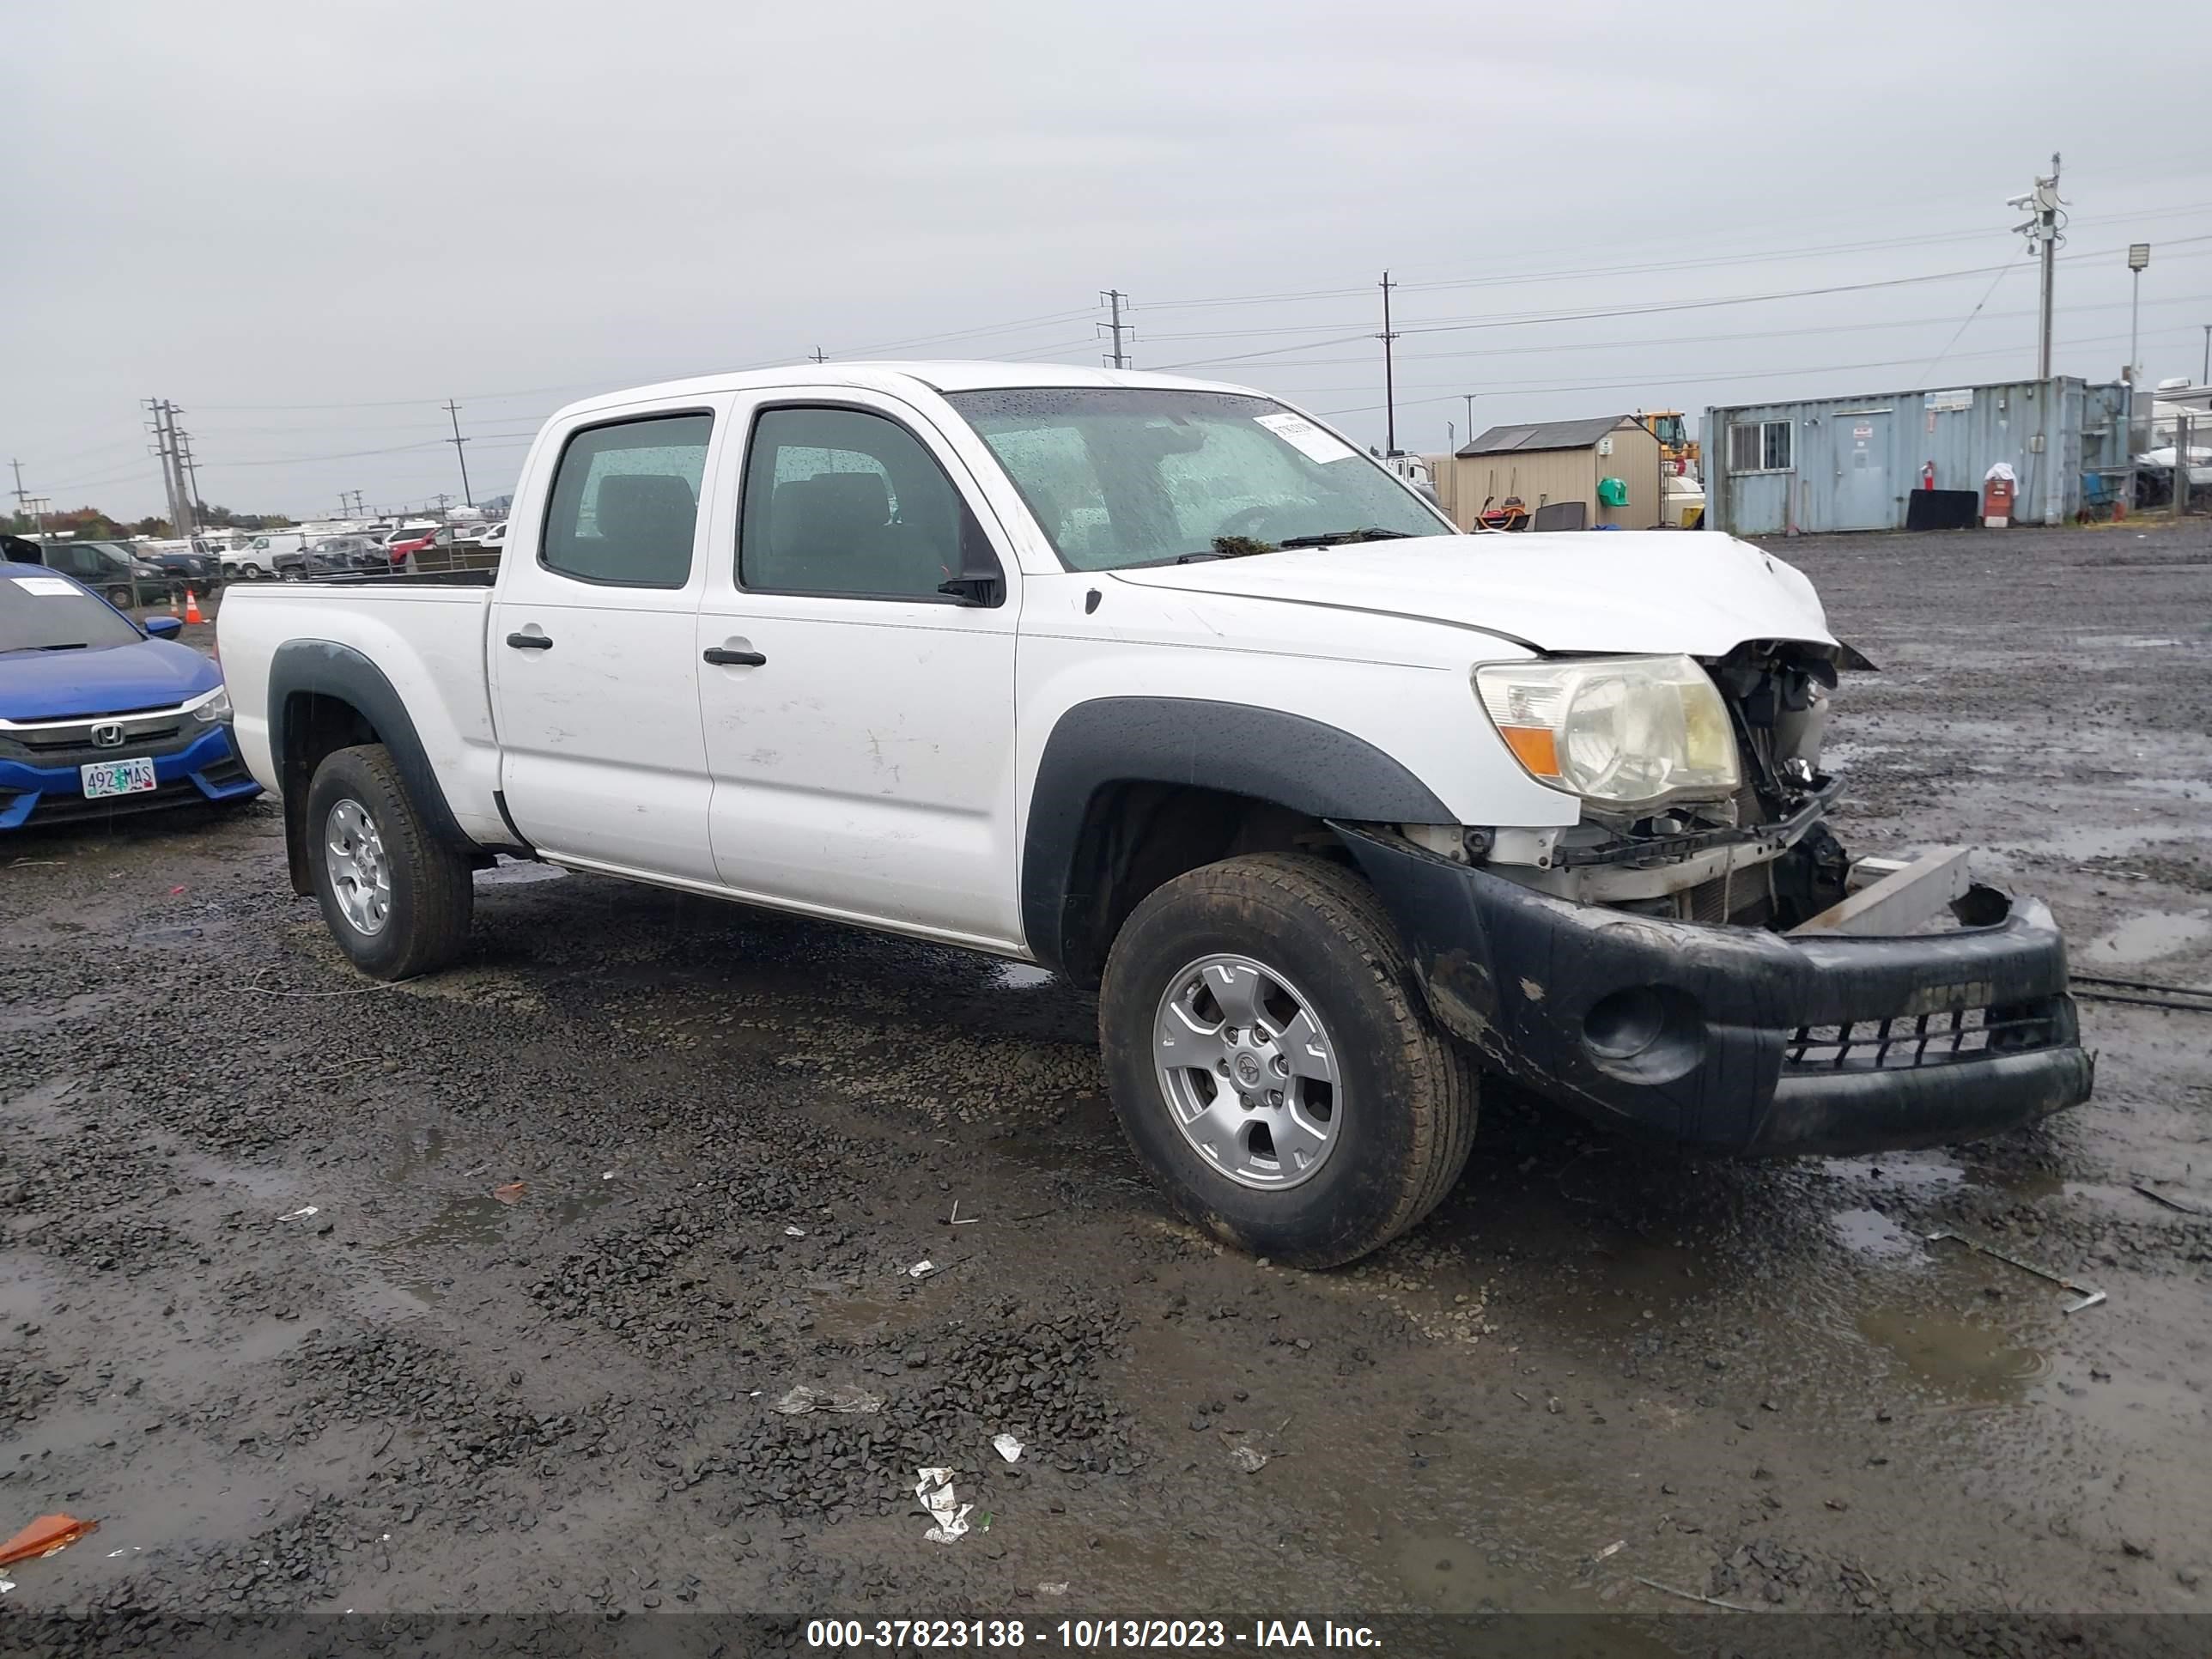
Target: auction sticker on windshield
51, 587
1302, 436
116, 777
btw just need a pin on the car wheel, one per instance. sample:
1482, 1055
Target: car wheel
230, 573
121, 597
396, 899
1273, 1064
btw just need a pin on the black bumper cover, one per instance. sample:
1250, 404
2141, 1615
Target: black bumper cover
1736, 1040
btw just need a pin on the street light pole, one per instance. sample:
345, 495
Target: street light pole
2138, 257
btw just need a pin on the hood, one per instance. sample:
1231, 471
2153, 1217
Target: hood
1655, 591
113, 680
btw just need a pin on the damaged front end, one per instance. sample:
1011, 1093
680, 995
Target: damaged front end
1717, 971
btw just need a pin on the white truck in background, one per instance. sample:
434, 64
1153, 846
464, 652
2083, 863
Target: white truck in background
1169, 688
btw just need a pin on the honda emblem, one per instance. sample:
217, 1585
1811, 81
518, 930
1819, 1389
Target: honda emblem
108, 734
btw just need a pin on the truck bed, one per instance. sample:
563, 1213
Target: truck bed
424, 634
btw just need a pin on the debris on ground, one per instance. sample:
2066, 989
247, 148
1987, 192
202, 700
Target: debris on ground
1613, 1548
934, 1489
921, 1270
1251, 1459
300, 1214
44, 1536
1691, 1595
1053, 1587
802, 1400
2090, 1298
2180, 1206
794, 1232
1008, 1447
510, 1194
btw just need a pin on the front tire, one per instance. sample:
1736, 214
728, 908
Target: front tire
396, 899
121, 597
1273, 1064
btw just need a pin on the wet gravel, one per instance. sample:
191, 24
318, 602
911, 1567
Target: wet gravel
737, 1134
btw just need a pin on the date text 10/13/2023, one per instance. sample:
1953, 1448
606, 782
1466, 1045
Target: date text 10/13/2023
1085, 1635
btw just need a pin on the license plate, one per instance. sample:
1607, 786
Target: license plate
116, 777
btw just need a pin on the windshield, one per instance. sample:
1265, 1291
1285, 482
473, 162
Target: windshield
1119, 478
52, 613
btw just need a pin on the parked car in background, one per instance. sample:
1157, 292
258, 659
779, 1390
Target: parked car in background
333, 555
484, 538
117, 573
403, 551
198, 569
255, 559
100, 714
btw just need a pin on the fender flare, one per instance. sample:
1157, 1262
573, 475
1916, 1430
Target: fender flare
1304, 764
325, 668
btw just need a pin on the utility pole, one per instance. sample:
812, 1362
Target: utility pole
1389, 375
181, 521
1470, 396
2205, 379
818, 354
188, 469
1114, 297
457, 440
2043, 232
29, 506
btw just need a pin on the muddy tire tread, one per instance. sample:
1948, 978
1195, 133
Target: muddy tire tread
1441, 1107
443, 888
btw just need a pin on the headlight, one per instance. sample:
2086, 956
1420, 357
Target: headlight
215, 706
1630, 731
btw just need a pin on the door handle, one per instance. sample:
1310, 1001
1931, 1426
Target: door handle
529, 641
724, 657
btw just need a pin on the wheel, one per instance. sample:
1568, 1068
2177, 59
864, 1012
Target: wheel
1272, 1063
121, 597
230, 573
396, 899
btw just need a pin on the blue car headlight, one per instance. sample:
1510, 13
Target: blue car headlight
211, 706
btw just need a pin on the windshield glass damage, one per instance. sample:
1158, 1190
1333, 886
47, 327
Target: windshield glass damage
1121, 477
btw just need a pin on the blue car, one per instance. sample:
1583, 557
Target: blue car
99, 716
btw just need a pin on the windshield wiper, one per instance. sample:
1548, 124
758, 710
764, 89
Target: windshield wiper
66, 645
1202, 555
1339, 538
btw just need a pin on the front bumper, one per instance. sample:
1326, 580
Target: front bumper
1736, 1040
49, 790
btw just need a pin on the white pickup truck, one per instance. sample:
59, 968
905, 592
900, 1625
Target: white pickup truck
1169, 688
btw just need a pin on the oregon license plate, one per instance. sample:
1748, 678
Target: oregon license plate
116, 777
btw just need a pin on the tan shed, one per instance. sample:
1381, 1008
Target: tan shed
1555, 462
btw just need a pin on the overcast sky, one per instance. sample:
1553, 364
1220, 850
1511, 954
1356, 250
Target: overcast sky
308, 225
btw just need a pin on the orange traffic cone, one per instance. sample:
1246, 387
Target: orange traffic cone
193, 607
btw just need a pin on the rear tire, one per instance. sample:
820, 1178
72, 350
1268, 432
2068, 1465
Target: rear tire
396, 899
1386, 1133
121, 597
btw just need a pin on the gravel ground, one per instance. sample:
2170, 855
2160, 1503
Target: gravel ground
737, 1135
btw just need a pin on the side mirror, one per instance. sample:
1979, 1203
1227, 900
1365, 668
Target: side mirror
981, 581
163, 628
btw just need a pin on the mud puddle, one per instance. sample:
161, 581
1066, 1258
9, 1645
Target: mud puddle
1965, 1361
